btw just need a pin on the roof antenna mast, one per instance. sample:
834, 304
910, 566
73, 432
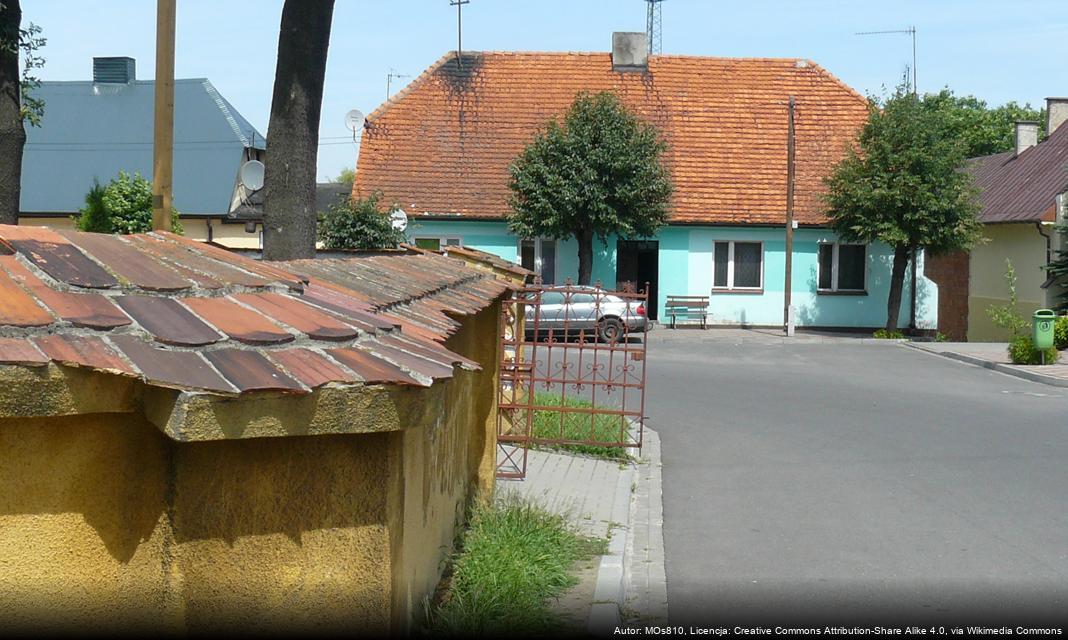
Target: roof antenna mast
911, 31
654, 27
459, 4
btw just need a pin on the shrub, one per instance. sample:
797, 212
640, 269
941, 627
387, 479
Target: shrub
1022, 350
1007, 316
884, 334
1060, 333
124, 206
358, 224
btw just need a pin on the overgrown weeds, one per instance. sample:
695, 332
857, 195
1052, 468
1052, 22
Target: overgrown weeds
564, 425
515, 558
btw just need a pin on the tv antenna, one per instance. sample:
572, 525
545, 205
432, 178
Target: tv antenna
390, 76
911, 31
654, 27
459, 4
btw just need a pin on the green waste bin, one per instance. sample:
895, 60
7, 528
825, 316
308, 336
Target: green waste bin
1042, 328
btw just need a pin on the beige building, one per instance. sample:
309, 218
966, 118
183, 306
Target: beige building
193, 441
1024, 197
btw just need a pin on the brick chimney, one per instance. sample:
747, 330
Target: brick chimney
1056, 113
114, 70
630, 51
1026, 135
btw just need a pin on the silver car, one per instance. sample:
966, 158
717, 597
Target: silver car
573, 312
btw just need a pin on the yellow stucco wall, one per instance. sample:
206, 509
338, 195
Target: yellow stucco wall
1022, 244
82, 524
111, 522
447, 462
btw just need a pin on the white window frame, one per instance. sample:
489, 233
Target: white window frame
443, 241
730, 265
537, 252
834, 267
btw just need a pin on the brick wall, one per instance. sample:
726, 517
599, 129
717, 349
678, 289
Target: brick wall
951, 273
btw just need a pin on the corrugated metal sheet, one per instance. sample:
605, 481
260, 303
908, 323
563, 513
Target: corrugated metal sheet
1023, 188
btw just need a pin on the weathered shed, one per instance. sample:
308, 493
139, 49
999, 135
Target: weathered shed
193, 440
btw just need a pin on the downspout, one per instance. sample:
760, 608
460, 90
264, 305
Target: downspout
211, 232
1049, 243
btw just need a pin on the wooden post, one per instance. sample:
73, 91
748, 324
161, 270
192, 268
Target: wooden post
787, 315
163, 124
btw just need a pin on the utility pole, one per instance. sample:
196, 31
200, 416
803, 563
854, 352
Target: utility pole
911, 31
163, 122
654, 26
459, 4
788, 311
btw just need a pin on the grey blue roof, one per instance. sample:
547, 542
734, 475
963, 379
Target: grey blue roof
92, 130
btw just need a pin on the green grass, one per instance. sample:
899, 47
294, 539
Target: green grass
577, 426
515, 559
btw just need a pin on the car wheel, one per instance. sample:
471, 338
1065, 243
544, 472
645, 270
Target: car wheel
611, 330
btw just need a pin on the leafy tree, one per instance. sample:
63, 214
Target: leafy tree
980, 129
358, 224
347, 176
903, 185
124, 206
598, 173
17, 103
289, 212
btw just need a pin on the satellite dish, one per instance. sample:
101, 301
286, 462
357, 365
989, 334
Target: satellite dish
251, 175
354, 120
399, 220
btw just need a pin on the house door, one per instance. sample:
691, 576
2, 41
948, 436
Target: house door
637, 262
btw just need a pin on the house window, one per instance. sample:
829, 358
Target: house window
738, 266
539, 255
842, 267
435, 243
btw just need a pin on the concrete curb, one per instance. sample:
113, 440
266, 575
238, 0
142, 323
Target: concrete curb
1000, 367
609, 593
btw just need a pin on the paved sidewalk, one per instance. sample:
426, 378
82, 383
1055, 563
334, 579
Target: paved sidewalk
760, 335
579, 487
621, 502
994, 355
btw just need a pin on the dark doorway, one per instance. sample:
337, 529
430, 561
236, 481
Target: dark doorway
637, 262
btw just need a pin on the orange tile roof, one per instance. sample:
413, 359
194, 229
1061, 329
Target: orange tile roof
443, 145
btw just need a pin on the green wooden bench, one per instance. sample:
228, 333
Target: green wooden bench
687, 308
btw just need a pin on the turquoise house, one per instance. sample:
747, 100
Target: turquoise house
441, 149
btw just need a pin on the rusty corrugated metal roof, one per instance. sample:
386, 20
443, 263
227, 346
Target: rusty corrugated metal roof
1023, 188
180, 314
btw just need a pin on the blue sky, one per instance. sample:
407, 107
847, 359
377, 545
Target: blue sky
999, 51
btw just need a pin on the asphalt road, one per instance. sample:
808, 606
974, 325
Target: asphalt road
857, 483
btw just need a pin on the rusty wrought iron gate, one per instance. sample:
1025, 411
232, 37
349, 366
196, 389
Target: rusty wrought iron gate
572, 371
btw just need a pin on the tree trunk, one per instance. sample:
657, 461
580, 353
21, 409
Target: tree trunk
585, 250
289, 214
897, 285
12, 133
